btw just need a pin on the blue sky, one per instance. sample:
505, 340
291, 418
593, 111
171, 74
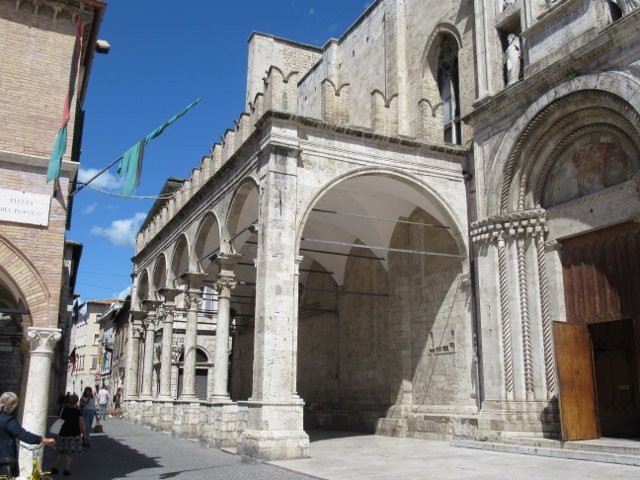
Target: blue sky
164, 54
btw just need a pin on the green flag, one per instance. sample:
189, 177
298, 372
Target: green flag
131, 161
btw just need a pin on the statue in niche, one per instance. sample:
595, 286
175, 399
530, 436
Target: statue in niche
513, 59
627, 6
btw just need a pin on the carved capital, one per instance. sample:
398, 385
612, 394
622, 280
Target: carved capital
553, 246
169, 294
193, 279
43, 340
520, 224
194, 296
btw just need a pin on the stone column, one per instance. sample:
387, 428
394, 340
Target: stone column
133, 355
149, 337
224, 286
169, 306
41, 342
194, 295
274, 424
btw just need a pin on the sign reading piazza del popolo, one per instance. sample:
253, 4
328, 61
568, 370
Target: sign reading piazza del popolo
24, 207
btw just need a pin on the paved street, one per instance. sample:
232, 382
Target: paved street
131, 451
128, 451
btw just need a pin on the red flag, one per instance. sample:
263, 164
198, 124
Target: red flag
60, 145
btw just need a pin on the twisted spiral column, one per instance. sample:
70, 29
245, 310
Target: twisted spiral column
524, 315
507, 352
547, 346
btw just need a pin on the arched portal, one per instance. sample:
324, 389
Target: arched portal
577, 164
382, 307
160, 273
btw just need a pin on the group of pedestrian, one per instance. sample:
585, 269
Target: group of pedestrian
77, 415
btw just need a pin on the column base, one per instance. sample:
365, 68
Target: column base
509, 418
283, 438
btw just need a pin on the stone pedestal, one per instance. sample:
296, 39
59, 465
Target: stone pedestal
283, 436
225, 425
34, 417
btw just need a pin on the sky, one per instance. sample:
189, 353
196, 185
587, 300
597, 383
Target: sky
164, 54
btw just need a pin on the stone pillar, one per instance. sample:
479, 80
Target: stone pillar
274, 426
149, 337
194, 295
169, 295
133, 355
34, 419
224, 286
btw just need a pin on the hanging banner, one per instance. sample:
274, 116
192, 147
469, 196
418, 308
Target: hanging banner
24, 207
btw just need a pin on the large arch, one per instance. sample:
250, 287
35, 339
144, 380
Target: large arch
595, 91
180, 258
382, 304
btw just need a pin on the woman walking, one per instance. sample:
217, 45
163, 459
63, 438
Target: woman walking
88, 408
10, 430
70, 437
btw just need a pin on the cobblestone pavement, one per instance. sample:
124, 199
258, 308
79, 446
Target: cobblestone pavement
128, 451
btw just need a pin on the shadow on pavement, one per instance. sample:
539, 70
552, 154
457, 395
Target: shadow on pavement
106, 459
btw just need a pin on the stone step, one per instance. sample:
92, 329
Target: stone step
598, 451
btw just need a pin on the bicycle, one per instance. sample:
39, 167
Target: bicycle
36, 472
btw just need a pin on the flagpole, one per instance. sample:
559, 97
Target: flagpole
84, 184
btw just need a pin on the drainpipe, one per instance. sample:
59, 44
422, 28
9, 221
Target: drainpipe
477, 343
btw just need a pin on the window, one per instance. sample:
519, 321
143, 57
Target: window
96, 338
448, 85
94, 362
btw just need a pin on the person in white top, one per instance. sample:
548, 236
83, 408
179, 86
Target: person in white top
103, 401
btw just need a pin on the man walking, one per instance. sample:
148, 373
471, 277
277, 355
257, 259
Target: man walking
103, 400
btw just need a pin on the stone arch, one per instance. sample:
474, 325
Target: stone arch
243, 212
180, 258
608, 91
143, 288
31, 286
445, 210
436, 205
159, 278
207, 241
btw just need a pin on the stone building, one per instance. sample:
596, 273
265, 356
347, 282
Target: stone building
37, 41
113, 342
379, 233
86, 344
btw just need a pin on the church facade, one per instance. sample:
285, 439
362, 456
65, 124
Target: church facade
410, 231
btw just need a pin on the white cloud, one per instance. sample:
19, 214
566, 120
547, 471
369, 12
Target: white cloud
89, 208
123, 293
106, 180
121, 232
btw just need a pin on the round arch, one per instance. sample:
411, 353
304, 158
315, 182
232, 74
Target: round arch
15, 265
159, 278
180, 258
447, 216
243, 212
207, 241
143, 290
610, 90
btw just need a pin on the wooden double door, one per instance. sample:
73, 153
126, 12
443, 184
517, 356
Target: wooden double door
598, 348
